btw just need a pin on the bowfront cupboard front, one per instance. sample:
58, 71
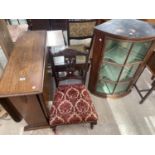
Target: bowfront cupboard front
121, 49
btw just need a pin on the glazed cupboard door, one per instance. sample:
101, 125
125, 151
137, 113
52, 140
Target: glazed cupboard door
121, 50
119, 64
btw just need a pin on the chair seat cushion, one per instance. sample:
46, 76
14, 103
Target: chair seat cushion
72, 104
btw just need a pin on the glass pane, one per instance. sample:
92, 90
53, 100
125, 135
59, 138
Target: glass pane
105, 87
128, 72
121, 87
138, 51
116, 51
109, 72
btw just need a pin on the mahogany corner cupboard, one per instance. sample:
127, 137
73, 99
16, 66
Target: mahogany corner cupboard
121, 48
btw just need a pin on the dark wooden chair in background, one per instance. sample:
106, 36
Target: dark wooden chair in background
151, 67
77, 33
72, 103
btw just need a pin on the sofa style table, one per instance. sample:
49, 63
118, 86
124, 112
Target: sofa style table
22, 83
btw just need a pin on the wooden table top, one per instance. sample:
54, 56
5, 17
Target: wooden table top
24, 73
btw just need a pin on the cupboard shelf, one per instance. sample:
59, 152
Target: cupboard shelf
111, 72
110, 88
119, 54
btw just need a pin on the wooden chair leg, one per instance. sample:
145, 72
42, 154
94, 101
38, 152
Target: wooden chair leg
54, 129
152, 78
92, 124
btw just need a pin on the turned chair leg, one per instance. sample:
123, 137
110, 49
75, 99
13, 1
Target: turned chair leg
92, 124
152, 78
54, 129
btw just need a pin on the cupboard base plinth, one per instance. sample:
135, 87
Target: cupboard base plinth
114, 96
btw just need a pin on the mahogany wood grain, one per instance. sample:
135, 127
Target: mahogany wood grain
96, 59
24, 73
8, 106
30, 109
22, 83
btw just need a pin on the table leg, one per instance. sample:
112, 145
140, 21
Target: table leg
148, 93
8, 106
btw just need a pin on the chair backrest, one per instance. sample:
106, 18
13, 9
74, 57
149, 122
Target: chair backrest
67, 65
80, 29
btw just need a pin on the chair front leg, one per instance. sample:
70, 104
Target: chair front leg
54, 129
92, 124
152, 78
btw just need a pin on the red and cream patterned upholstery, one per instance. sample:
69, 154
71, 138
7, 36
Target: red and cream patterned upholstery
72, 104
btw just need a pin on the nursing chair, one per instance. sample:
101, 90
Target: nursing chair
80, 34
72, 103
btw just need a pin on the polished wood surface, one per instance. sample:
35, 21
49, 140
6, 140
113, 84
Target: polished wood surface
151, 21
95, 64
9, 107
5, 39
22, 83
29, 103
24, 73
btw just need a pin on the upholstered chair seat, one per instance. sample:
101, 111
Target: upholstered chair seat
72, 104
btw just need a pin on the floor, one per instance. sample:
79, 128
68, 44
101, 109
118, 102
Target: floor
123, 116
